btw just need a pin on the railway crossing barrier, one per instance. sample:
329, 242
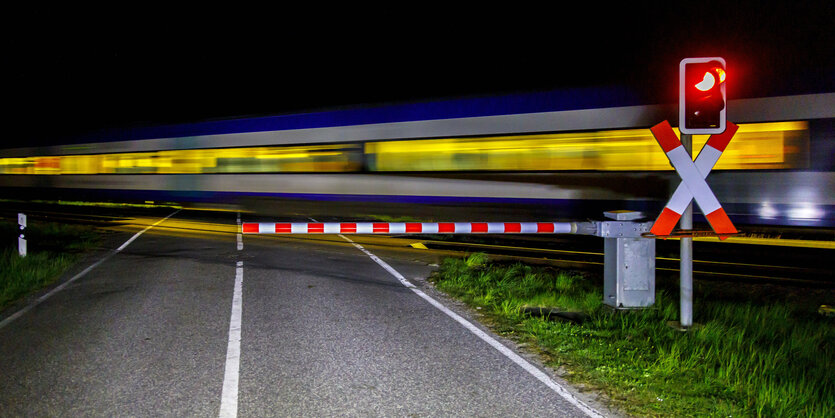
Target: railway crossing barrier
629, 257
629, 244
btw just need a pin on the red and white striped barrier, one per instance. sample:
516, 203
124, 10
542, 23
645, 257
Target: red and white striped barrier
410, 228
693, 176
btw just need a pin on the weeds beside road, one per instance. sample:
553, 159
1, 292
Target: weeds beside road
743, 358
52, 248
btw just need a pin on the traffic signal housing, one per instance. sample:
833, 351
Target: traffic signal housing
702, 99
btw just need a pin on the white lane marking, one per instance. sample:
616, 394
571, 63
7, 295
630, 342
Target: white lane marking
240, 235
60, 287
135, 236
229, 395
530, 368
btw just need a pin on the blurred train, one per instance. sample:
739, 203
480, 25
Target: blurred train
556, 155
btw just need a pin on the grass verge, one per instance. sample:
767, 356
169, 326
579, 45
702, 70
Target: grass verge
52, 248
743, 358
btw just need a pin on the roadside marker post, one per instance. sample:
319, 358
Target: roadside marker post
21, 240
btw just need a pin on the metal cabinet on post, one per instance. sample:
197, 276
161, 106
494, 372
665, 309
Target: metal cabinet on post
629, 261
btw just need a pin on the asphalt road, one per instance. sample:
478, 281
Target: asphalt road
325, 330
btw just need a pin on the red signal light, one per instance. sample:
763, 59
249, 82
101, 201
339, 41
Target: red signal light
702, 95
707, 82
721, 72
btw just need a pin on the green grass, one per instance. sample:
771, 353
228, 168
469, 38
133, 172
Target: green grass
52, 248
744, 358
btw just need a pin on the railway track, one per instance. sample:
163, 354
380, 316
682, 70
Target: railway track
797, 262
714, 261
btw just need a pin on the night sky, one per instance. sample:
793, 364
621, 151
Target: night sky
73, 71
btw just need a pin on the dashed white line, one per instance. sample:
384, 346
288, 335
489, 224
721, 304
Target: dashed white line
240, 234
229, 395
541, 376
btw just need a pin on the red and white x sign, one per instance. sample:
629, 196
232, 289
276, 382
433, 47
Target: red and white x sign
693, 185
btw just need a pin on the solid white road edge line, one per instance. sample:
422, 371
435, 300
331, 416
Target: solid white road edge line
60, 287
530, 368
229, 395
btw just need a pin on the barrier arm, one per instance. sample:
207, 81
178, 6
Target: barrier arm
629, 258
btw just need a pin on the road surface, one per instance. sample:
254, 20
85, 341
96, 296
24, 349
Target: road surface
185, 322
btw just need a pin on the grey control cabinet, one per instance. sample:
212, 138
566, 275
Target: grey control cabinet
629, 261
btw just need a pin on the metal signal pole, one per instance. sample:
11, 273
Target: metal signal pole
686, 256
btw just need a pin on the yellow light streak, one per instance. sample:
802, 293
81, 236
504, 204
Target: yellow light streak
755, 146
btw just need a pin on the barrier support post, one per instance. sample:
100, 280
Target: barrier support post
628, 261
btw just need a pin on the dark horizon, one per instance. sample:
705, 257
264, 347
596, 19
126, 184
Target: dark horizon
65, 77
